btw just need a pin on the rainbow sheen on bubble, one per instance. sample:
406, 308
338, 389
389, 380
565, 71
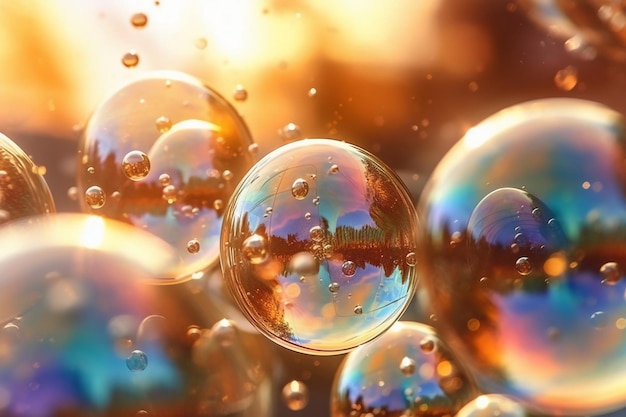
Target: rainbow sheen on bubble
407, 371
85, 331
320, 268
524, 241
492, 405
23, 191
170, 124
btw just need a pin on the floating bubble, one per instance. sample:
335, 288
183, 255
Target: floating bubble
23, 190
193, 163
523, 297
610, 273
130, 59
193, 246
295, 395
492, 405
136, 165
364, 215
290, 132
240, 93
300, 189
88, 333
566, 78
95, 197
348, 268
392, 375
139, 20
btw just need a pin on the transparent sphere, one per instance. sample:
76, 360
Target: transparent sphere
524, 224
23, 191
166, 124
588, 27
492, 405
320, 268
84, 331
407, 371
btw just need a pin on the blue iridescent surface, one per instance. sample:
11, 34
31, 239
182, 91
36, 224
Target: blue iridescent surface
524, 224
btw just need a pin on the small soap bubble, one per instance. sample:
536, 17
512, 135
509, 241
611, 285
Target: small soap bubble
295, 395
193, 246
312, 92
407, 366
427, 345
610, 273
227, 175
358, 309
307, 215
599, 320
136, 165
165, 180
170, 194
201, 43
240, 93
523, 265
334, 169
291, 132
218, 204
411, 259
130, 59
139, 20
300, 189
72, 193
254, 249
163, 124
95, 197
334, 287
348, 268
566, 78
137, 361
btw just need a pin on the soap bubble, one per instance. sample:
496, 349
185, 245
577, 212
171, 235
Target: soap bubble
178, 179
392, 375
534, 196
492, 405
87, 333
361, 214
23, 192
295, 395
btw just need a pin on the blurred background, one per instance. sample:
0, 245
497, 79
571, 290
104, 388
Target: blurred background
403, 79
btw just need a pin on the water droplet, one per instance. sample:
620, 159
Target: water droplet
240, 93
348, 268
91, 170
358, 309
291, 132
312, 92
163, 124
130, 59
227, 175
170, 194
610, 273
295, 395
299, 189
567, 78
137, 361
218, 204
139, 20
165, 180
334, 169
255, 249
334, 287
307, 215
411, 259
407, 366
523, 265
95, 197
193, 246
253, 148
316, 233
136, 165
427, 345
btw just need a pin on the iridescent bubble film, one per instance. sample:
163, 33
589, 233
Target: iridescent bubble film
407, 371
23, 191
524, 235
166, 125
492, 405
85, 332
320, 268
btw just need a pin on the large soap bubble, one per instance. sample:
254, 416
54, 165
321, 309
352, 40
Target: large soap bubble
318, 246
23, 191
165, 152
85, 332
524, 225
407, 371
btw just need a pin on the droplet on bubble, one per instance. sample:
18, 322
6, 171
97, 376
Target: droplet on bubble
163, 124
295, 395
193, 246
611, 273
130, 59
334, 169
95, 197
392, 373
410, 259
165, 180
563, 143
300, 189
348, 268
360, 214
137, 361
523, 265
254, 249
136, 165
240, 93
139, 20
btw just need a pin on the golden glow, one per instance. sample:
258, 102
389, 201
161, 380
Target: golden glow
92, 233
555, 265
444, 368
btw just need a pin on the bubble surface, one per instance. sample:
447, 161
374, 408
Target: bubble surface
23, 191
198, 137
363, 215
88, 332
492, 405
392, 373
536, 194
